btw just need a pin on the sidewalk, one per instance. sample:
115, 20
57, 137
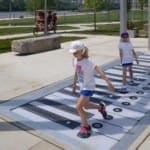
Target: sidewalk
22, 74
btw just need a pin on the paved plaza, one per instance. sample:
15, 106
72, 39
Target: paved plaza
37, 108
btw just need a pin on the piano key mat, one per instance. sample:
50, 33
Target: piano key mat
51, 110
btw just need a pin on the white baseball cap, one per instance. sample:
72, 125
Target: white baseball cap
76, 46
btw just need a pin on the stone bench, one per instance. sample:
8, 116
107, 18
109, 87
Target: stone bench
35, 45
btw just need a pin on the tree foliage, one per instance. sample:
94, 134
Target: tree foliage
51, 4
4, 5
17, 5
100, 4
20, 5
93, 4
143, 3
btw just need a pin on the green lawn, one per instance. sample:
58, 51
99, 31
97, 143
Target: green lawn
17, 30
112, 29
83, 18
23, 21
108, 29
5, 45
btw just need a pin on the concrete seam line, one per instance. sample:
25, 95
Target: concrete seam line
142, 141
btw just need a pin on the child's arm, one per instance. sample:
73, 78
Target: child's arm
134, 54
74, 82
102, 74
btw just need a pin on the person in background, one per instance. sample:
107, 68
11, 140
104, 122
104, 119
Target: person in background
49, 20
127, 55
84, 72
54, 21
40, 20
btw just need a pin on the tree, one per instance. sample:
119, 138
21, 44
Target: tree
143, 3
39, 4
31, 5
18, 5
93, 5
108, 5
65, 5
4, 5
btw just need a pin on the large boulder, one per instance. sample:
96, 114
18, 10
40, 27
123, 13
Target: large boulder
35, 45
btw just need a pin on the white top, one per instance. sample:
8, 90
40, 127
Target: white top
85, 71
126, 49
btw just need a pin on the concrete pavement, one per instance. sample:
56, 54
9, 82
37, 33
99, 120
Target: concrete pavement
22, 74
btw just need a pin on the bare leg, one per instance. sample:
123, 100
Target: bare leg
81, 103
131, 73
54, 28
124, 75
100, 108
90, 105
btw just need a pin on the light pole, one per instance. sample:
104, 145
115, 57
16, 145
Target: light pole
123, 15
45, 20
10, 9
149, 24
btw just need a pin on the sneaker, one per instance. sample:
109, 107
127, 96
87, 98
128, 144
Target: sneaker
124, 86
103, 110
84, 132
131, 82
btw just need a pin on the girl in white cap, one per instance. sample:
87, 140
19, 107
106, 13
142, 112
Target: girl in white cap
84, 73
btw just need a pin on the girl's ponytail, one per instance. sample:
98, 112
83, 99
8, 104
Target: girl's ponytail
85, 52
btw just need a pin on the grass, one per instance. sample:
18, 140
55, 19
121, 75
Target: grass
112, 29
83, 18
10, 31
24, 21
108, 29
5, 45
17, 30
88, 18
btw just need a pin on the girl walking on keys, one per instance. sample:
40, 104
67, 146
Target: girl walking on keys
127, 54
84, 73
